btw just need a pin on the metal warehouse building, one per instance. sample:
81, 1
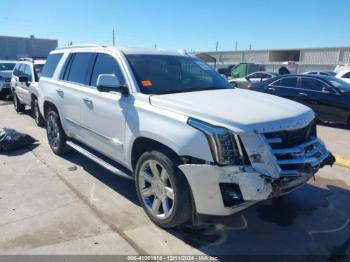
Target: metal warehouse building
13, 48
306, 59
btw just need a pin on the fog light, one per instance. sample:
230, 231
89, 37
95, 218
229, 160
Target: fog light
231, 194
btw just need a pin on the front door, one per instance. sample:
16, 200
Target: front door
104, 113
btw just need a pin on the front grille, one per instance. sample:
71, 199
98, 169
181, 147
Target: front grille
289, 138
297, 151
7, 80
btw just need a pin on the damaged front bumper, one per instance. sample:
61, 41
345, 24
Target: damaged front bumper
225, 190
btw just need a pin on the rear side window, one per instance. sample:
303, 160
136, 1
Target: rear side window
106, 64
312, 84
79, 67
51, 64
289, 82
347, 75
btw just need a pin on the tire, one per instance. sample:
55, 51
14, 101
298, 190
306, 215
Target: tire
39, 120
55, 134
162, 186
233, 84
19, 107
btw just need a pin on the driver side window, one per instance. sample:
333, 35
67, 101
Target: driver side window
106, 64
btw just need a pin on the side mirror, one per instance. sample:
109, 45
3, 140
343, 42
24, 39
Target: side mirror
109, 83
24, 79
327, 90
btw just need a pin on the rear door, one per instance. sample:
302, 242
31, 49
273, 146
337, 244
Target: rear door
104, 113
284, 87
75, 78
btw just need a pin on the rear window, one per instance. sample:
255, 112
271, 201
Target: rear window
51, 64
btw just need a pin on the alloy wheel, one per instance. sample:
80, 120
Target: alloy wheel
156, 189
53, 133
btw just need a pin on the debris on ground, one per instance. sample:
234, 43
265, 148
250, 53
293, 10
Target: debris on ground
11, 140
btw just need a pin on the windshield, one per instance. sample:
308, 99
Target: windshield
165, 74
7, 66
37, 71
341, 85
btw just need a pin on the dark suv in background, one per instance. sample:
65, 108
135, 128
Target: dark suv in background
328, 96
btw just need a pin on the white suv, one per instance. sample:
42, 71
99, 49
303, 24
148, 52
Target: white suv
195, 146
24, 86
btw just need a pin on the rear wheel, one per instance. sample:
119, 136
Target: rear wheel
55, 134
162, 189
19, 107
233, 84
39, 120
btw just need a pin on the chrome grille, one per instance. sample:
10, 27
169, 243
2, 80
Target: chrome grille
298, 151
289, 138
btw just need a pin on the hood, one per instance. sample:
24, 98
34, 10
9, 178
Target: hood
237, 109
6, 73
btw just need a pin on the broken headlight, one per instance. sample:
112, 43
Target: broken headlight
225, 146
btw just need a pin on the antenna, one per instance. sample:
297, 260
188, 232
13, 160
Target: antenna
113, 38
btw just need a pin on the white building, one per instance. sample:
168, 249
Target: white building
306, 58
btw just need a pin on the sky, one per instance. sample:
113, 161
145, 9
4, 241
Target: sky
182, 24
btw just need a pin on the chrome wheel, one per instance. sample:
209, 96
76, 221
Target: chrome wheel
53, 133
36, 113
156, 189
15, 102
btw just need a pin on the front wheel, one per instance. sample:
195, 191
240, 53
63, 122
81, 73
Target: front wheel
162, 190
19, 107
39, 120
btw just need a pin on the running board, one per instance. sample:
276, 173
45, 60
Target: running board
98, 160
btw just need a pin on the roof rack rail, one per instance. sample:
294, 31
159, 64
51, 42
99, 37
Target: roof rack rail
28, 59
77, 46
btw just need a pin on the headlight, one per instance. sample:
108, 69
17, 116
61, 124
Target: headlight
224, 145
2, 78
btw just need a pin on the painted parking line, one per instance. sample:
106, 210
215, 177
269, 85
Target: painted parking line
342, 161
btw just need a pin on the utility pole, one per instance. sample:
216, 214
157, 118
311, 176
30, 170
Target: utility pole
155, 46
113, 38
236, 46
217, 46
250, 47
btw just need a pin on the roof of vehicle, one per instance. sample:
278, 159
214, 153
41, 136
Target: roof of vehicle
35, 62
8, 61
125, 50
342, 72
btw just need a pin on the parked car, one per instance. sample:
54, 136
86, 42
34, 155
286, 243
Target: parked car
344, 75
324, 73
328, 96
6, 68
226, 71
244, 69
24, 86
341, 67
195, 146
246, 82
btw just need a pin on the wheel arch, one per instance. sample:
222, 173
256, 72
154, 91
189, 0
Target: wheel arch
144, 144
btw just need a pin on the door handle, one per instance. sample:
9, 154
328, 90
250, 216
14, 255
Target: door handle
303, 94
87, 100
271, 89
60, 92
